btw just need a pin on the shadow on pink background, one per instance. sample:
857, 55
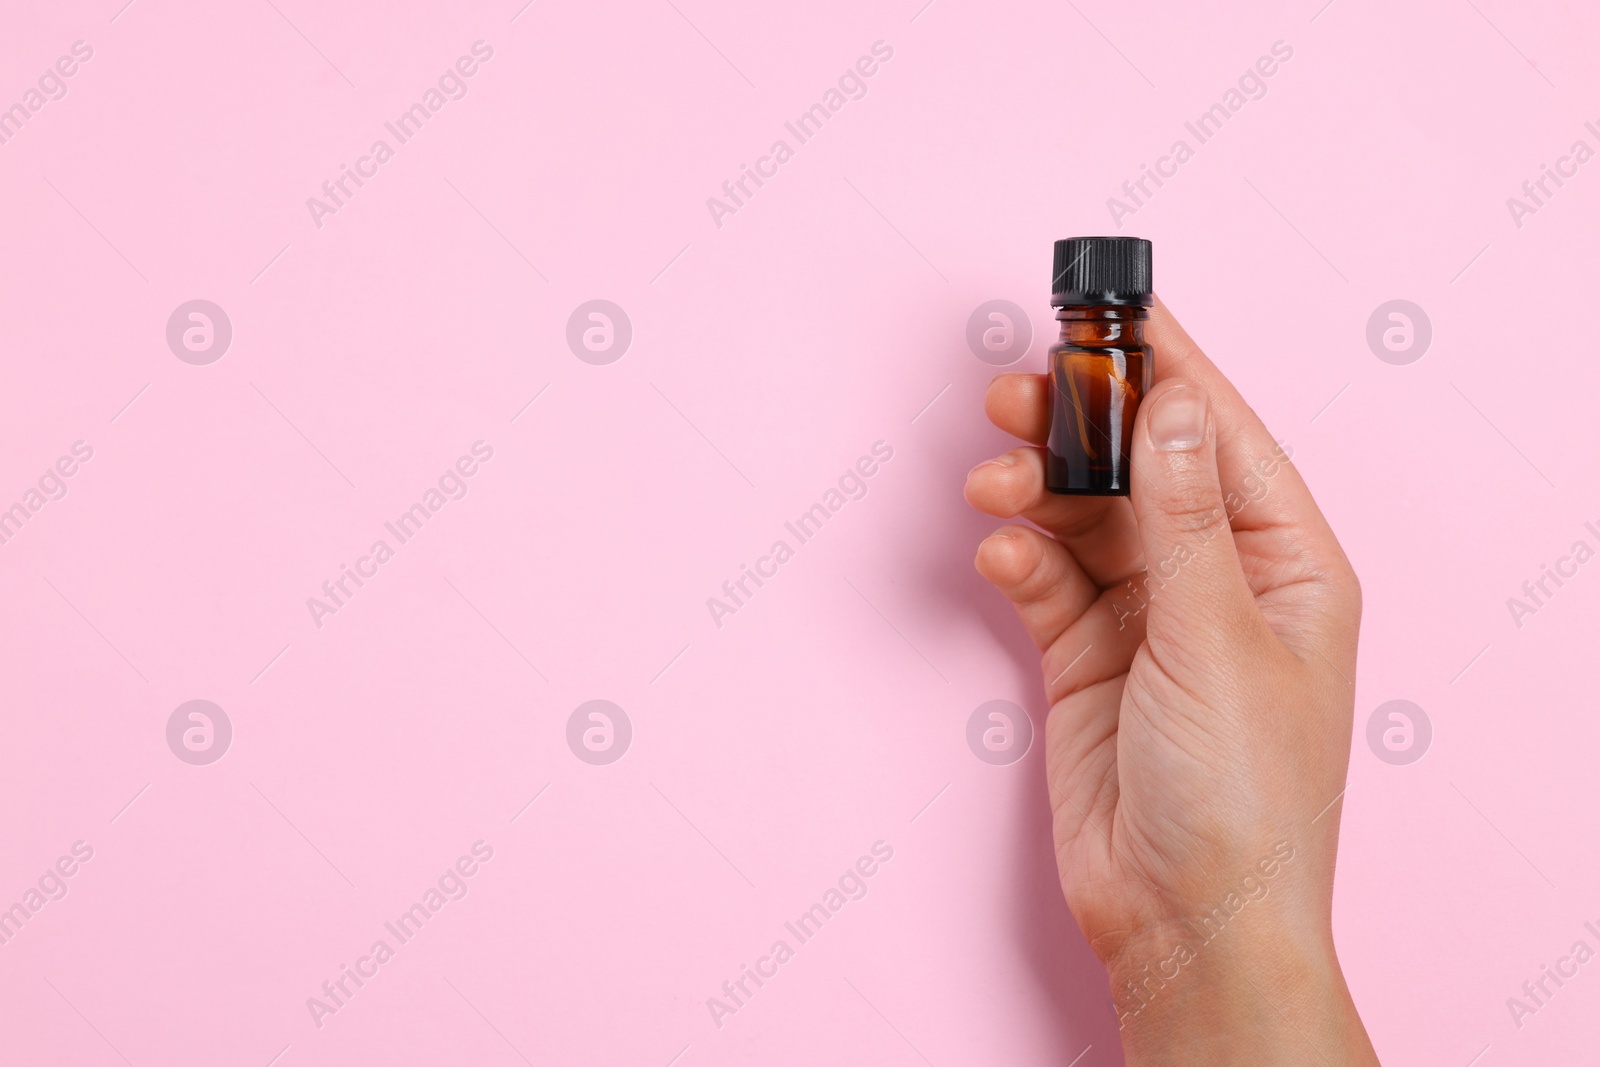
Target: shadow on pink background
376, 341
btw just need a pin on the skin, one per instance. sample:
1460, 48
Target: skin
1198, 647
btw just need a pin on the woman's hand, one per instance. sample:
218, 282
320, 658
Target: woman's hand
1199, 648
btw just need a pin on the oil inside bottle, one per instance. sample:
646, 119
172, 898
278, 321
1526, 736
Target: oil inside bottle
1095, 396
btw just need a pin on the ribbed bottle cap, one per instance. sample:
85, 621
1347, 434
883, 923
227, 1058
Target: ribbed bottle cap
1101, 270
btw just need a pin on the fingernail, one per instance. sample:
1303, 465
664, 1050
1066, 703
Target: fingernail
1177, 422
1006, 460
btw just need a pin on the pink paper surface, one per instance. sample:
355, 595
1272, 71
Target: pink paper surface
379, 338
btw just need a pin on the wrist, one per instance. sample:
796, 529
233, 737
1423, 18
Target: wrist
1265, 994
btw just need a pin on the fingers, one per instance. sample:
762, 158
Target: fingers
1195, 587
1262, 489
1098, 647
1040, 578
1098, 531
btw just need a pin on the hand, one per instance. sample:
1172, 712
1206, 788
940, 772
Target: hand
1199, 646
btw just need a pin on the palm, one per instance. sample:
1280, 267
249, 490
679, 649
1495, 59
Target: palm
1137, 743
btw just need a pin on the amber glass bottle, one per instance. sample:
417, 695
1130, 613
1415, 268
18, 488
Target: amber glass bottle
1100, 368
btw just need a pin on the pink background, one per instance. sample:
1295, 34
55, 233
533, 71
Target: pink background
768, 355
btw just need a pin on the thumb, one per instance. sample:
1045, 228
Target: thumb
1194, 584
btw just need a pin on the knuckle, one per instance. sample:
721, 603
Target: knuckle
1195, 512
1037, 581
1028, 580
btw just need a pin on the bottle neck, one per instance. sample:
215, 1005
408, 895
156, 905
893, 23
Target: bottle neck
1102, 324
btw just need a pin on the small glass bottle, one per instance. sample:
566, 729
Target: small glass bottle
1100, 368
